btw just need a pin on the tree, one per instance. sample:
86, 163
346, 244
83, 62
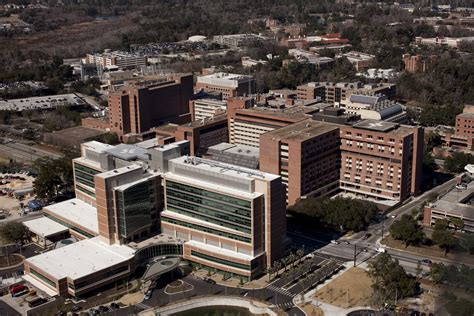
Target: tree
457, 161
342, 214
442, 236
299, 254
13, 232
53, 175
458, 223
467, 241
438, 272
390, 281
407, 230
292, 259
418, 270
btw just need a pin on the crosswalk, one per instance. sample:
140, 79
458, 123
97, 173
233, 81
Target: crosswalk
280, 290
285, 305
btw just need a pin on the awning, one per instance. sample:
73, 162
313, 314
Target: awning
40, 286
45, 227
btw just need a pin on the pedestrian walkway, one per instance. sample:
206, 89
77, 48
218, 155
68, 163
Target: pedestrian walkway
280, 290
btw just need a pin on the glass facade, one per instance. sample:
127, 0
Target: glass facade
84, 190
148, 253
84, 175
43, 278
134, 207
206, 229
209, 206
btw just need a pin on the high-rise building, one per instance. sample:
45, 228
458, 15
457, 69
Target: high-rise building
140, 106
231, 218
381, 160
247, 124
306, 155
230, 85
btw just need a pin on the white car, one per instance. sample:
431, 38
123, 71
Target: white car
334, 242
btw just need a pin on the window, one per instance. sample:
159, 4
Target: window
206, 229
220, 261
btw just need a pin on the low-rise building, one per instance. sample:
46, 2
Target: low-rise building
123, 60
456, 204
360, 60
452, 42
230, 85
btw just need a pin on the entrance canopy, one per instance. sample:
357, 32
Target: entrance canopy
45, 227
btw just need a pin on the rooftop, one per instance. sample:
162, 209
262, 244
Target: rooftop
458, 202
77, 212
378, 126
294, 112
302, 131
128, 152
215, 119
97, 146
222, 169
119, 171
226, 76
81, 259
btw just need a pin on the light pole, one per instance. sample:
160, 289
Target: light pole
355, 254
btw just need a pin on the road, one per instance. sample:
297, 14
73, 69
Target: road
407, 260
24, 153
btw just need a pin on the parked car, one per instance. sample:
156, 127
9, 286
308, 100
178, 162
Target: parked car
334, 242
148, 295
427, 262
367, 236
346, 242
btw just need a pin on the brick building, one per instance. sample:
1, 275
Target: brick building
313, 149
201, 134
381, 160
417, 63
139, 106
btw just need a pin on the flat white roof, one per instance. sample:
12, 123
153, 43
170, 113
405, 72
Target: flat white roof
45, 227
81, 258
223, 169
76, 211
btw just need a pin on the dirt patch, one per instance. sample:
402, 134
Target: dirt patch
351, 289
429, 251
312, 310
